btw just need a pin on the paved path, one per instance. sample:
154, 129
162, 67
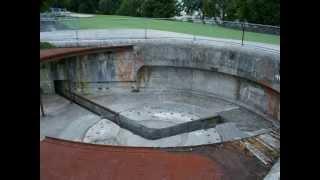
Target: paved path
81, 15
135, 34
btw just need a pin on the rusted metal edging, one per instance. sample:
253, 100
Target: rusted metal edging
70, 52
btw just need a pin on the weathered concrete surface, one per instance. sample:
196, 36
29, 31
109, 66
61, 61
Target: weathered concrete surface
247, 77
274, 173
135, 127
211, 83
261, 67
183, 106
229, 132
98, 134
46, 54
171, 78
153, 109
64, 120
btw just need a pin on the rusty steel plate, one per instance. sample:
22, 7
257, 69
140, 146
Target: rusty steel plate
64, 160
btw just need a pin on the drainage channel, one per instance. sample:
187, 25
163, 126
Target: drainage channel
62, 88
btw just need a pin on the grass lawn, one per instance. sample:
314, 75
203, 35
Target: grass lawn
106, 21
46, 45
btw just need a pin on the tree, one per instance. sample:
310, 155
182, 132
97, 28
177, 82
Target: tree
218, 8
74, 5
45, 5
109, 6
254, 11
84, 6
265, 11
179, 8
259, 11
222, 6
130, 8
231, 10
60, 3
209, 8
190, 6
88, 6
159, 8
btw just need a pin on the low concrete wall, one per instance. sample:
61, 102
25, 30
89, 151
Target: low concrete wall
261, 67
233, 73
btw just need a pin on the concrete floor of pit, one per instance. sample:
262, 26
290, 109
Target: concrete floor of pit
156, 109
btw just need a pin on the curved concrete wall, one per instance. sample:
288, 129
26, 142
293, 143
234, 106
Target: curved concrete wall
224, 86
262, 67
240, 75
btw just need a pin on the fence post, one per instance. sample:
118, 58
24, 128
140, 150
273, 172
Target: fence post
145, 31
242, 25
77, 28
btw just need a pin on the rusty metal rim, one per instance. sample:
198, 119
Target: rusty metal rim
70, 52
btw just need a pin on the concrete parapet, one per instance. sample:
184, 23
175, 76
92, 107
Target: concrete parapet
238, 74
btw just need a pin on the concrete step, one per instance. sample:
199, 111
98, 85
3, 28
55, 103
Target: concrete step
229, 132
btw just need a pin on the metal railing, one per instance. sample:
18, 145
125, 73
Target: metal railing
149, 29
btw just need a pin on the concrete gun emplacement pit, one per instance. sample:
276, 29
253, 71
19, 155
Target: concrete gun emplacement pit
218, 103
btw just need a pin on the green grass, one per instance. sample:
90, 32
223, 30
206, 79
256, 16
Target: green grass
46, 45
105, 21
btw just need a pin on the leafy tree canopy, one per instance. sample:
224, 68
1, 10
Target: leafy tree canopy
109, 6
159, 8
255, 11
